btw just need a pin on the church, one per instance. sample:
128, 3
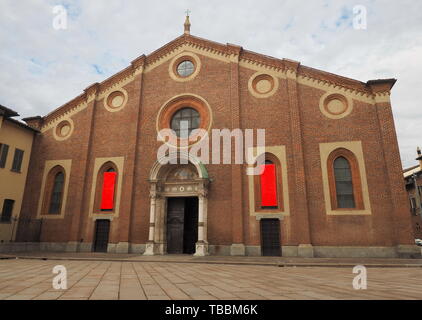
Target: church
331, 184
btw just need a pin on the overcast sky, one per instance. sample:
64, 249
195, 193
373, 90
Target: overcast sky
43, 68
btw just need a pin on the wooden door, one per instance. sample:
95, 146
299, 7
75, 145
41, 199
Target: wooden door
102, 230
175, 225
270, 237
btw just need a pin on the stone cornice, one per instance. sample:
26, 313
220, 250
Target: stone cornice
334, 80
253, 60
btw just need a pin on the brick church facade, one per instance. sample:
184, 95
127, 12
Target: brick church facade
334, 185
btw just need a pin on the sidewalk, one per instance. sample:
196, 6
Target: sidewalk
230, 260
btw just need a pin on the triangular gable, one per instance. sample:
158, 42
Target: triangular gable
227, 53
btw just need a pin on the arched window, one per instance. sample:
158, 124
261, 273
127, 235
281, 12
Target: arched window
345, 182
105, 188
268, 185
56, 194
54, 190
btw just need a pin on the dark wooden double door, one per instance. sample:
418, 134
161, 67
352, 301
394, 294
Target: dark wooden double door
102, 231
182, 225
270, 237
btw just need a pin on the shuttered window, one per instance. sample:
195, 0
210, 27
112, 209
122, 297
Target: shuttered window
4, 149
7, 211
17, 160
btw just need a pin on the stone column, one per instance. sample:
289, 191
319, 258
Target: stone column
149, 249
202, 244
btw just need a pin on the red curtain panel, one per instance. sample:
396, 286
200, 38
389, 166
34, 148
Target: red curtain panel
269, 186
107, 196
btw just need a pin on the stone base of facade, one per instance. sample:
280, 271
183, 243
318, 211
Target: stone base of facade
19, 247
407, 251
305, 251
121, 247
85, 247
237, 249
137, 248
72, 246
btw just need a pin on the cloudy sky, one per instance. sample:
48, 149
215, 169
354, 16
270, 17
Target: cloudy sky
43, 68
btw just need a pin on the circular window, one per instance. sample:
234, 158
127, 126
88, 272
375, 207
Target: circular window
185, 68
184, 121
115, 100
335, 106
63, 130
262, 85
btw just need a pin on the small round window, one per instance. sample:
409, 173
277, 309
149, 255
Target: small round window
184, 121
185, 68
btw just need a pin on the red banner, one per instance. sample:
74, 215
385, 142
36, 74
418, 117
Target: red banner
107, 197
269, 186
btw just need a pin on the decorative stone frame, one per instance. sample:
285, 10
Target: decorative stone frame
169, 108
160, 190
279, 183
57, 130
174, 63
100, 163
330, 96
349, 149
111, 95
258, 76
98, 188
51, 168
51, 179
277, 154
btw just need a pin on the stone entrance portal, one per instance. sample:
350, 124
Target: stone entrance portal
178, 194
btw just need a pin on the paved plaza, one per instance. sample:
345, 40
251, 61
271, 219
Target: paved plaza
32, 279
